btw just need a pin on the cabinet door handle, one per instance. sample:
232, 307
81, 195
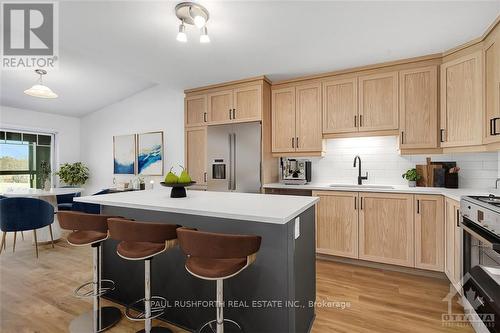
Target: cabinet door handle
361, 203
293, 142
441, 134
360, 120
493, 126
418, 206
402, 137
355, 121
205, 177
458, 218
297, 141
205, 117
230, 114
234, 113
355, 203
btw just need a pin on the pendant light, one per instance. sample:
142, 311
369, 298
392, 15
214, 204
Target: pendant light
39, 90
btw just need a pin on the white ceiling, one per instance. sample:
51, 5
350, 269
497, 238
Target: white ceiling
110, 50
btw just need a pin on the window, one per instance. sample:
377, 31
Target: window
21, 154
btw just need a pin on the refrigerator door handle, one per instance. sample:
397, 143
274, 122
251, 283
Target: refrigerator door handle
234, 162
229, 183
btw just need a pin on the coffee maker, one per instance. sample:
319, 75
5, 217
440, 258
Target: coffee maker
295, 171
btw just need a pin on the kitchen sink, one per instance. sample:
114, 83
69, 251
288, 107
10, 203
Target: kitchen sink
367, 186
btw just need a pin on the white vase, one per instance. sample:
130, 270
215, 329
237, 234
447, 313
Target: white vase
46, 185
412, 183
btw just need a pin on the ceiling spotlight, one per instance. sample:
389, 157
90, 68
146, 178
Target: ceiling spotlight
204, 36
39, 90
181, 35
193, 14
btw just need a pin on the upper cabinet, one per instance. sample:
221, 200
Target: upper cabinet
195, 110
462, 101
247, 103
492, 87
296, 120
220, 106
418, 108
378, 102
340, 106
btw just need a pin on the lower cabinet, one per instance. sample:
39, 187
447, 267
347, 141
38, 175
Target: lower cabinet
429, 232
453, 235
399, 229
337, 223
386, 228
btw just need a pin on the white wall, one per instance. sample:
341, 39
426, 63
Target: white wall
66, 129
155, 109
385, 166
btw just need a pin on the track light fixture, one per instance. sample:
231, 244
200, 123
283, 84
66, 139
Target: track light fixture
193, 14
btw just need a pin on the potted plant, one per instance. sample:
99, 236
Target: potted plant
45, 175
412, 177
74, 174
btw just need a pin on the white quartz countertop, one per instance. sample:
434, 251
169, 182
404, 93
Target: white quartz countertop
278, 209
31, 192
454, 194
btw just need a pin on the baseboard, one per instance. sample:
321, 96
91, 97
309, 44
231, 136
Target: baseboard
387, 267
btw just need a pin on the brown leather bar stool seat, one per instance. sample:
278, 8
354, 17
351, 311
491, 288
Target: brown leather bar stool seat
215, 256
143, 241
91, 230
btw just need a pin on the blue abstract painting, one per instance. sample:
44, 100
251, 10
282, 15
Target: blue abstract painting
124, 154
150, 154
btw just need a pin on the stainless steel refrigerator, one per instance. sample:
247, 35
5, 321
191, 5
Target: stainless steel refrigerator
234, 157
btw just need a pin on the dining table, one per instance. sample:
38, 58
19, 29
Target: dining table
43, 234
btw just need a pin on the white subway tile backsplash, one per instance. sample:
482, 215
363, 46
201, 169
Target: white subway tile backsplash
384, 165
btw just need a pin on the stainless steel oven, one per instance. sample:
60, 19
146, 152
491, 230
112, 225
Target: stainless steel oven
481, 261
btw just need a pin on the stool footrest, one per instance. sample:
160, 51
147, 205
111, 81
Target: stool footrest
87, 289
158, 305
212, 325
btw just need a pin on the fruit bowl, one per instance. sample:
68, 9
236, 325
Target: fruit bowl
178, 189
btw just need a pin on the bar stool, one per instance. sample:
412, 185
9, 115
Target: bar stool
213, 256
143, 241
91, 229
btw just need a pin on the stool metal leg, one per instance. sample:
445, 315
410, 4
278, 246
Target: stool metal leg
220, 306
217, 325
99, 318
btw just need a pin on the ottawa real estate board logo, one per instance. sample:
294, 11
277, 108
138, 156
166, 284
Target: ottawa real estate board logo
30, 35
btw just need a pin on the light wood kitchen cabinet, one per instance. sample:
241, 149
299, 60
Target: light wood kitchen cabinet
220, 106
386, 232
418, 108
296, 119
337, 223
308, 118
378, 102
453, 235
462, 101
492, 87
247, 103
340, 106
196, 154
195, 110
429, 232
283, 120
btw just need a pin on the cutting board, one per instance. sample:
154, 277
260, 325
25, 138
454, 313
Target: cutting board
427, 173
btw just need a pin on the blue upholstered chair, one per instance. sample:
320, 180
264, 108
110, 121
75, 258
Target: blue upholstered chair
20, 214
89, 208
65, 201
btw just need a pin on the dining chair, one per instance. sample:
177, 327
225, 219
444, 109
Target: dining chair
22, 214
88, 207
65, 201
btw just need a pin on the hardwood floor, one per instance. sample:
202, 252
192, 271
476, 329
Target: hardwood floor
37, 295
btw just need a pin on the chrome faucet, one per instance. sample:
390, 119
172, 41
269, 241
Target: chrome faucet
360, 178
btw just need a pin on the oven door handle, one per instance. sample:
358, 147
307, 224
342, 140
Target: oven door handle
486, 243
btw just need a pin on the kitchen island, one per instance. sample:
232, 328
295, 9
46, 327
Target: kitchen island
275, 294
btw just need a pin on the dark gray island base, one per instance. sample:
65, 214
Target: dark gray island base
275, 294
